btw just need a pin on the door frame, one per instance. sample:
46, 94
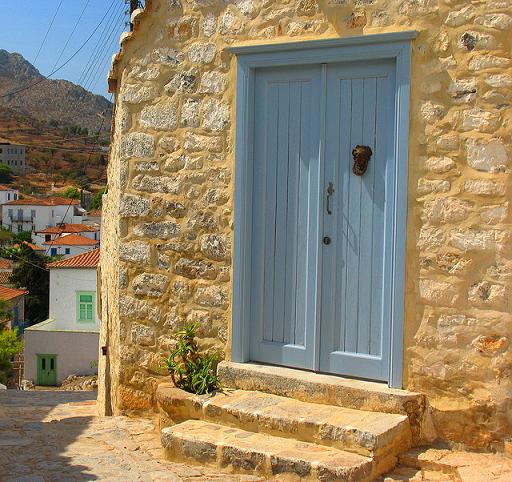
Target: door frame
395, 46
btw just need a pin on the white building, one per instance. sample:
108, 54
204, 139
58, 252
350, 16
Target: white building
13, 155
70, 245
68, 342
39, 214
8, 194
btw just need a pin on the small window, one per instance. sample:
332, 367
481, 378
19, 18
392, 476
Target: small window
52, 363
85, 306
15, 197
8, 196
67, 250
33, 213
43, 363
20, 228
47, 237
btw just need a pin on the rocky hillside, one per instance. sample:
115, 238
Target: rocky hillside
53, 102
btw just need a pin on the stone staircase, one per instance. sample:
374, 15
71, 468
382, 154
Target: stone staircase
289, 424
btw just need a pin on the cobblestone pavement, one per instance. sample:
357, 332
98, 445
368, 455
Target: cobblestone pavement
57, 436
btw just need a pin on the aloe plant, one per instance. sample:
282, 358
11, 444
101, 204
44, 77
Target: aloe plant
189, 369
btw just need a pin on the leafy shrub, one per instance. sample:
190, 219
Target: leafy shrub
190, 370
72, 193
9, 346
5, 174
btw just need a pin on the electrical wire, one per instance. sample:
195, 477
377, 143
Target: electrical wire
101, 54
30, 86
47, 32
71, 34
95, 49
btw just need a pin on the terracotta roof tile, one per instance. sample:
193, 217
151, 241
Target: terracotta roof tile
70, 228
90, 259
35, 247
51, 201
3, 187
4, 277
7, 293
5, 263
72, 240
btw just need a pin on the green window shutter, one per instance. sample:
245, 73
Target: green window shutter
85, 306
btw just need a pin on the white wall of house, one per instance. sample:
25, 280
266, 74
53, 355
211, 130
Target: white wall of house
77, 352
67, 251
65, 283
37, 218
8, 195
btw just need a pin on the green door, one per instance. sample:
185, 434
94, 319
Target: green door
47, 370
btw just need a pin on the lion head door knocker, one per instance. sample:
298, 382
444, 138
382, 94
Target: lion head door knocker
361, 155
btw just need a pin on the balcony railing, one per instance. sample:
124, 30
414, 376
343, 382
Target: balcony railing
22, 219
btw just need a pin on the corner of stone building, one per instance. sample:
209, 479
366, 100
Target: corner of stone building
167, 250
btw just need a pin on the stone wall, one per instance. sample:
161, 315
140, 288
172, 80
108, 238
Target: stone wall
166, 255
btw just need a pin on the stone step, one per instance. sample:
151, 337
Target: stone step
255, 453
324, 389
379, 435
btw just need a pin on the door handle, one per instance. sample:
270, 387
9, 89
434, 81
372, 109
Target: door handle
330, 192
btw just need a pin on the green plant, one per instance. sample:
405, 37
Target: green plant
10, 345
72, 193
190, 370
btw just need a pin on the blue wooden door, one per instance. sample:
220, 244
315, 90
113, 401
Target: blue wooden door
357, 269
322, 237
285, 216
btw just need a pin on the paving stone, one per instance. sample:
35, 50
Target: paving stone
69, 442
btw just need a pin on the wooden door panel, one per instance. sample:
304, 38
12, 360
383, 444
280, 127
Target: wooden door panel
355, 322
285, 215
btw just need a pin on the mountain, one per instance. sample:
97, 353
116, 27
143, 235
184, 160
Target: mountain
53, 102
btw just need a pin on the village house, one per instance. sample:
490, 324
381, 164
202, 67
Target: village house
91, 231
15, 306
13, 155
8, 194
70, 245
322, 187
67, 343
38, 214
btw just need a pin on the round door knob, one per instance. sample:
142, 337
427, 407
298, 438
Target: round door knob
327, 240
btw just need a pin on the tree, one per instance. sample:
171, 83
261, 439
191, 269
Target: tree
31, 274
72, 193
97, 199
24, 236
10, 345
5, 174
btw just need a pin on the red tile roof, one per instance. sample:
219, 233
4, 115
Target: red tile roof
3, 187
94, 214
5, 264
7, 294
90, 259
70, 228
72, 240
51, 201
4, 277
34, 247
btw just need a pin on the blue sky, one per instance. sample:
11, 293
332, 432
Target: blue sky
25, 23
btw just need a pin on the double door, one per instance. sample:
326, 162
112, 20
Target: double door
323, 191
47, 370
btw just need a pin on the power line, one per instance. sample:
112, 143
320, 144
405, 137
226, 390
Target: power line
47, 32
23, 89
95, 49
71, 34
101, 54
